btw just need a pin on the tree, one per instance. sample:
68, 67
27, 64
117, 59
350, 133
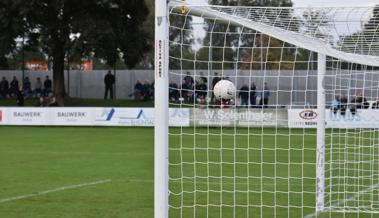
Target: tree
107, 29
233, 38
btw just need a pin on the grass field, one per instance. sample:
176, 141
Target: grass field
36, 160
108, 172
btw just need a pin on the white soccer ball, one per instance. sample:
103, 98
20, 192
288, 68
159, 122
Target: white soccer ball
224, 89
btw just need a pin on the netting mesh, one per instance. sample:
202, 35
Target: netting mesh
249, 156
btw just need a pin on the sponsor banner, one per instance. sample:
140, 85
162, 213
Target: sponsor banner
2, 116
240, 117
308, 118
302, 118
71, 116
138, 116
23, 116
89, 116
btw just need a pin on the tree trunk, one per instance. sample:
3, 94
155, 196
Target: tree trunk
58, 75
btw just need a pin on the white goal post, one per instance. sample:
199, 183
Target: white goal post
299, 139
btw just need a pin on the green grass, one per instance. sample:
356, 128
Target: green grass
214, 172
39, 159
85, 102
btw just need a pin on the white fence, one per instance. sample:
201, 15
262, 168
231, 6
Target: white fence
185, 117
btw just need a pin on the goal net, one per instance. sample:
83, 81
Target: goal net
300, 136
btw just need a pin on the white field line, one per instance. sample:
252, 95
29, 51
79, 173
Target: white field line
367, 190
21, 197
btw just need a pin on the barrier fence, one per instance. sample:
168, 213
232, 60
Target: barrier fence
185, 117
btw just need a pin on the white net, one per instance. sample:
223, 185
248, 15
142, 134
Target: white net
255, 155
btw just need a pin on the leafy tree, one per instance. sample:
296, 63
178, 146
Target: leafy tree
107, 29
238, 41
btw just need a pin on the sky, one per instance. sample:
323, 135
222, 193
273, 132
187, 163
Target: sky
317, 3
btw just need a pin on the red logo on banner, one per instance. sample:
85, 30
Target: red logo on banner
1, 116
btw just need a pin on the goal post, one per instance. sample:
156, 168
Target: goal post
320, 159
161, 110
300, 138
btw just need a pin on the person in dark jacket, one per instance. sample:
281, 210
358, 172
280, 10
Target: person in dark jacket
13, 87
244, 95
20, 97
4, 88
109, 81
253, 95
47, 86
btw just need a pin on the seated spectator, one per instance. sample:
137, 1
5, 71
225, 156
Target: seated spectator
138, 87
343, 104
4, 88
41, 102
53, 102
244, 95
146, 91
14, 87
336, 104
38, 87
27, 87
47, 86
201, 90
173, 91
360, 102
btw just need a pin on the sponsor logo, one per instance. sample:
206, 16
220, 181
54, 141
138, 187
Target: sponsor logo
72, 114
308, 114
1, 116
27, 114
235, 115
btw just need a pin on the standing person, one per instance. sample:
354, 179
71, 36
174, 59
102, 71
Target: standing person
244, 95
20, 96
109, 81
47, 86
38, 87
253, 94
265, 95
14, 87
27, 86
4, 88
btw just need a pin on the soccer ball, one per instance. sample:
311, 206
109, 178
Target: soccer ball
224, 89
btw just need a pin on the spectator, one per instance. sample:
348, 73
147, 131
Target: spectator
201, 89
375, 105
14, 87
20, 96
109, 81
53, 101
244, 95
360, 102
41, 102
265, 95
342, 104
203, 78
47, 86
253, 95
27, 87
137, 90
38, 87
336, 104
173, 91
4, 88
189, 79
146, 91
